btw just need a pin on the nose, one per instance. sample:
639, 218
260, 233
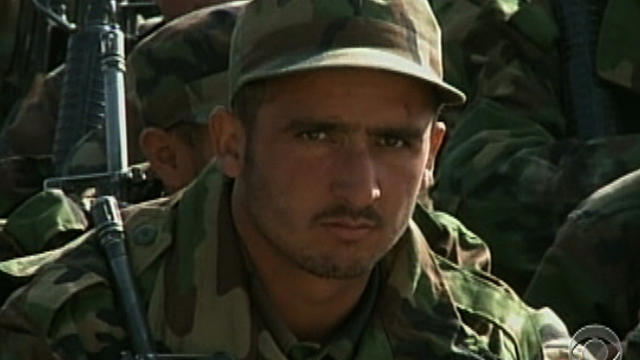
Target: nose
355, 179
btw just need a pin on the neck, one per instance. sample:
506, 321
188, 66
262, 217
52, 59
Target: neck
310, 306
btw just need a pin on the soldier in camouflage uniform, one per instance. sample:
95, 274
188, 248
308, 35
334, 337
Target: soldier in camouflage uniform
176, 81
514, 165
171, 91
589, 275
40, 105
301, 245
29, 138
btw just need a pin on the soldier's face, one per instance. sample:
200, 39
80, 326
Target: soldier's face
331, 169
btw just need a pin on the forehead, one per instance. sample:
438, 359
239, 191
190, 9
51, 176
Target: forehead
351, 90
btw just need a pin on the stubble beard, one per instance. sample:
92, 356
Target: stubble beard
320, 265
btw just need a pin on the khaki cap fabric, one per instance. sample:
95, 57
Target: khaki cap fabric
277, 37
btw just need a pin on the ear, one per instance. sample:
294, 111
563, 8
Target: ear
228, 139
158, 147
436, 138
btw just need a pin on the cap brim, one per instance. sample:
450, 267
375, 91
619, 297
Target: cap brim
360, 58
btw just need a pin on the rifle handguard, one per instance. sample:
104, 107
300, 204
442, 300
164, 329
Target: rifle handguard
110, 232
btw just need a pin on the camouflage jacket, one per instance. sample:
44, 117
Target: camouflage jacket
198, 297
42, 226
589, 275
46, 221
512, 167
34, 227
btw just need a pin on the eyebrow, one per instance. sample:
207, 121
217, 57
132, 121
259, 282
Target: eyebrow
411, 133
332, 123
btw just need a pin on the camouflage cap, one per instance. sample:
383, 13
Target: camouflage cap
179, 73
277, 37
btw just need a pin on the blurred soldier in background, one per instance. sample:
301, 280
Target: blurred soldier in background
589, 275
175, 81
553, 88
26, 144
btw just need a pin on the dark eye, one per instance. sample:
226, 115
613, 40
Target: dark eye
314, 135
391, 142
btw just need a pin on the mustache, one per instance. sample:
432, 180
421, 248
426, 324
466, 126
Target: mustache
367, 214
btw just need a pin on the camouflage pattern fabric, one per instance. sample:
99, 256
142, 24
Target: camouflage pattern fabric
38, 220
209, 29
176, 74
179, 73
46, 221
589, 274
200, 297
309, 35
512, 169
192, 80
45, 225
169, 85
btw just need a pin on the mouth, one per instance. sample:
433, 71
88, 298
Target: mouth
349, 230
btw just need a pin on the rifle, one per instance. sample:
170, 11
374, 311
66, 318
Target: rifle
93, 95
93, 100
